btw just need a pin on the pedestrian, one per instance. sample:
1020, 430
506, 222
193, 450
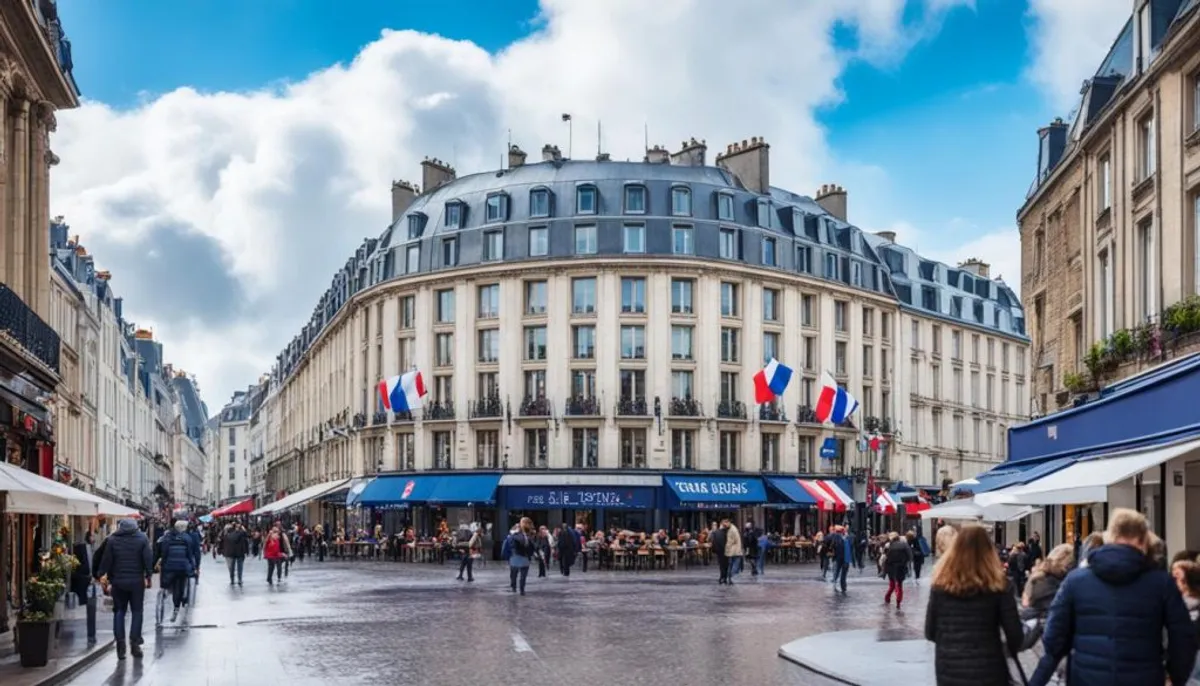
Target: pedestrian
474, 546
750, 543
898, 556
125, 571
1043, 584
568, 548
734, 551
518, 549
81, 582
918, 556
1018, 563
970, 607
543, 550
178, 557
841, 548
234, 546
718, 540
276, 549
822, 553
764, 544
1187, 577
861, 542
943, 539
581, 545
1119, 615
1034, 547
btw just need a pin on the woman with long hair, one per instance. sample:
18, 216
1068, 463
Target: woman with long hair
518, 549
970, 606
1048, 574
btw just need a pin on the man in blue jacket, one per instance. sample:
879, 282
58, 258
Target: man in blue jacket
842, 545
1110, 617
126, 565
178, 559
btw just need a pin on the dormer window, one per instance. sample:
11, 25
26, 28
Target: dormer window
416, 224
764, 213
496, 208
831, 266
681, 201
725, 207
635, 199
585, 200
539, 202
454, 215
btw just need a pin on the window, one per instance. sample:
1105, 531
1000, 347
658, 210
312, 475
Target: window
725, 207
916, 335
633, 448
681, 240
683, 449
831, 266
1146, 148
585, 448
1196, 242
539, 243
1145, 270
496, 208
635, 238
839, 355
493, 245
868, 361
633, 342
1105, 181
681, 342
415, 224
1141, 46
408, 311
730, 350
539, 203
770, 452
731, 249
454, 215
936, 381
990, 390
956, 345
770, 302
487, 385
770, 346
839, 316
584, 342
633, 295
730, 305
535, 343
445, 306
444, 356
682, 301
1004, 355
856, 273
975, 348
583, 383
635, 199
804, 259
537, 453
885, 325
991, 352
730, 388
583, 295
807, 310
487, 449
681, 201
681, 384
1196, 101
810, 353
232, 436
764, 213
449, 252
768, 252
585, 200
729, 443
535, 383
489, 345
585, 240
975, 389
1105, 287
489, 301
633, 385
536, 294
412, 259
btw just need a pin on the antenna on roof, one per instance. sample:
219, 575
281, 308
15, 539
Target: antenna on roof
508, 147
646, 136
599, 147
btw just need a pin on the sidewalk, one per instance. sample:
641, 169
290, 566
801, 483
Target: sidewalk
69, 652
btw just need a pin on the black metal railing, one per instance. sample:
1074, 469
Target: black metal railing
582, 407
405, 416
880, 425
730, 409
487, 408
379, 418
535, 407
771, 413
632, 407
20, 322
360, 420
685, 407
805, 414
439, 410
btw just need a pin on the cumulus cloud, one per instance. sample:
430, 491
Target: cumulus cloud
1069, 39
1000, 248
224, 215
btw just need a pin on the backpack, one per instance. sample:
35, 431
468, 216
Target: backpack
522, 545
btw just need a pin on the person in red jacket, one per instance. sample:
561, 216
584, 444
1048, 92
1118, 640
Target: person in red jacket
276, 549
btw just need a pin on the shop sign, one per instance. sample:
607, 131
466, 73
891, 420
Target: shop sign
582, 498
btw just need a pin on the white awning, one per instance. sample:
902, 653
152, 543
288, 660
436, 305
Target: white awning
968, 508
618, 480
300, 497
29, 493
1088, 481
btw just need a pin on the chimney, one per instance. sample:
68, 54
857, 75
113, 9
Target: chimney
657, 155
516, 156
435, 173
1052, 142
976, 266
551, 153
889, 236
832, 198
750, 161
692, 153
403, 194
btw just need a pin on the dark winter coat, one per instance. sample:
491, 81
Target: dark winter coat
1110, 618
128, 561
82, 576
718, 539
176, 554
235, 544
966, 631
899, 556
568, 547
836, 544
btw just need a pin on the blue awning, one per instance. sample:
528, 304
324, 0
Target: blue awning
462, 489
731, 490
792, 490
1005, 476
398, 490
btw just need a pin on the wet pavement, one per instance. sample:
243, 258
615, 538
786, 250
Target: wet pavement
70, 652
382, 622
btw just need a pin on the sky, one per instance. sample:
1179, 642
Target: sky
229, 156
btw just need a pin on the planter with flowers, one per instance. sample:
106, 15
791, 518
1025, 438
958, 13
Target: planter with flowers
36, 617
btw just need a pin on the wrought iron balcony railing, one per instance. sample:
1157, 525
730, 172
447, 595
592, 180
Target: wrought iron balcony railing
535, 407
805, 414
360, 420
439, 410
582, 407
685, 407
632, 407
405, 416
490, 407
379, 418
20, 322
730, 409
771, 413
880, 425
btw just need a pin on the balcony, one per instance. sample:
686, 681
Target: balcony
379, 419
805, 414
632, 407
490, 407
360, 420
879, 425
685, 407
405, 416
22, 326
771, 413
730, 409
582, 407
439, 411
535, 407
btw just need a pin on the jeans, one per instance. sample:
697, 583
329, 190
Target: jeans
518, 575
762, 560
177, 582
541, 560
468, 563
274, 568
735, 565
839, 574
128, 600
235, 564
824, 566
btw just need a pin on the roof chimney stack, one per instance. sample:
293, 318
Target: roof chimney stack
832, 198
403, 194
551, 153
976, 266
692, 153
516, 156
750, 162
889, 236
435, 173
658, 155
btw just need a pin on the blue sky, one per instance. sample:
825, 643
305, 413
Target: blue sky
220, 150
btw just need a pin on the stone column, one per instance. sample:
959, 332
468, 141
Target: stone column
16, 217
39, 167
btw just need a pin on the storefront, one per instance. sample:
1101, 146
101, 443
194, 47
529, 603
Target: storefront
696, 502
430, 503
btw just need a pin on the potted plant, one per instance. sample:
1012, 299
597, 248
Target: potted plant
36, 617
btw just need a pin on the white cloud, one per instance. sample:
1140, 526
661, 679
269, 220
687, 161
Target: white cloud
224, 215
1069, 39
1000, 249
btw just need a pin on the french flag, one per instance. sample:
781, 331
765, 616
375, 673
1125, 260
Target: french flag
771, 382
835, 404
402, 393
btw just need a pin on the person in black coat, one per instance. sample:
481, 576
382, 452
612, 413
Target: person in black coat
127, 566
970, 606
568, 548
719, 537
81, 581
897, 558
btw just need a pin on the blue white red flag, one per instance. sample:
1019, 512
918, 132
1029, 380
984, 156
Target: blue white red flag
834, 404
771, 382
402, 393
